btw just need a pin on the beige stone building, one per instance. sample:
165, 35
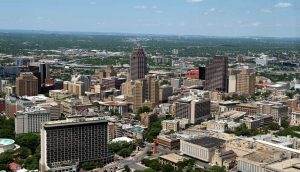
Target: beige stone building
245, 82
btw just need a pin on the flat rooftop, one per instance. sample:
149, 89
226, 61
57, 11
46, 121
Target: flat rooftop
74, 121
172, 157
290, 165
264, 156
208, 142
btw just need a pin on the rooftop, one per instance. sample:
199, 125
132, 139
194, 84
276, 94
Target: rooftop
250, 105
173, 157
290, 165
208, 142
74, 121
229, 102
264, 156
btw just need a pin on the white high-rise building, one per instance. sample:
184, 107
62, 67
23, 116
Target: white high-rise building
29, 120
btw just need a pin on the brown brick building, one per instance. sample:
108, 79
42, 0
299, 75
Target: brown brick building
27, 84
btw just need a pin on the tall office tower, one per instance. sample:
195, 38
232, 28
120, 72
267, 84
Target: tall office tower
134, 92
35, 70
29, 120
165, 91
84, 80
138, 64
138, 94
44, 72
216, 74
152, 90
65, 144
27, 84
232, 80
41, 71
245, 81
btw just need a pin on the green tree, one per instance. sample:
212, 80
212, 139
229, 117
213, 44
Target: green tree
242, 130
115, 112
29, 140
152, 163
2, 94
122, 148
6, 133
31, 163
285, 123
165, 82
7, 127
143, 109
149, 170
126, 169
216, 168
6, 157
153, 130
168, 168
24, 152
273, 126
89, 165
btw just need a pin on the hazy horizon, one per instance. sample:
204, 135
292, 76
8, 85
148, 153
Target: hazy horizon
231, 18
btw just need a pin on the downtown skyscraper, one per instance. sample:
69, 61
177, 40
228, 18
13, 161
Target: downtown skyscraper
138, 64
216, 74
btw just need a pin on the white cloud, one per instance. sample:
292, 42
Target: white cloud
100, 23
211, 10
255, 24
210, 24
159, 11
92, 3
283, 5
182, 24
40, 18
194, 1
205, 13
140, 7
248, 24
265, 11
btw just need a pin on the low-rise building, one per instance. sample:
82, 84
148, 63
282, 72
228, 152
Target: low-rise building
168, 142
147, 118
172, 159
224, 158
201, 148
295, 118
256, 161
289, 165
221, 125
257, 121
174, 125
227, 106
249, 108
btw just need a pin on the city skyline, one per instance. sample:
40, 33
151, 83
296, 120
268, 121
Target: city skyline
180, 17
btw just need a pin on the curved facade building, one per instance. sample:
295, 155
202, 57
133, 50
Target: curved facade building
6, 144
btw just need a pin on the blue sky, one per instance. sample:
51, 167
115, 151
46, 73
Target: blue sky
189, 17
